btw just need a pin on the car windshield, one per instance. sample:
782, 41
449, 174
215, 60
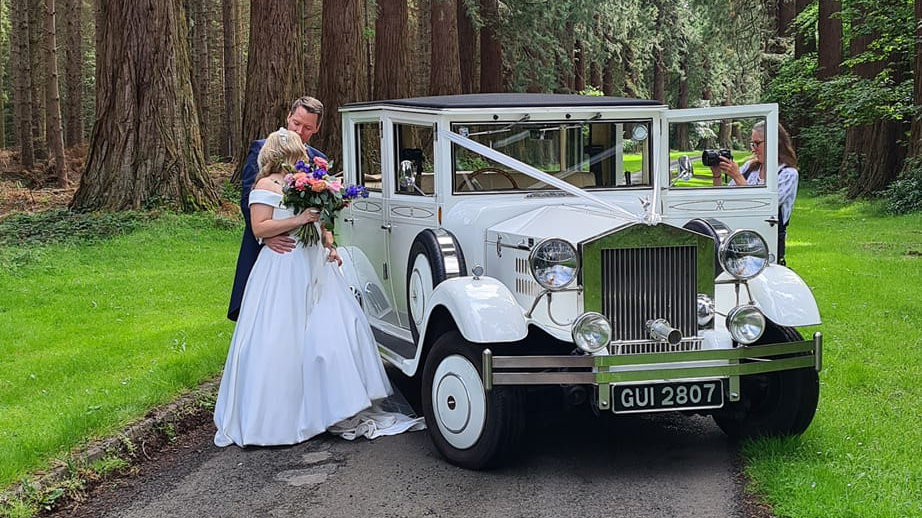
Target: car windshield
588, 154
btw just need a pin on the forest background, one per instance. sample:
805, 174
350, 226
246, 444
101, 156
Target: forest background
128, 102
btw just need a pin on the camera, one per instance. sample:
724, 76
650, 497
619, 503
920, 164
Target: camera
712, 156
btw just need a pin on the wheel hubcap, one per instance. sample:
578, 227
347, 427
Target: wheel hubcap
458, 401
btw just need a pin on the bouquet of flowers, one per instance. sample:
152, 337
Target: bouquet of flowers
308, 186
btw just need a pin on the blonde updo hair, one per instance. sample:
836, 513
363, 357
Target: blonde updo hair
281, 147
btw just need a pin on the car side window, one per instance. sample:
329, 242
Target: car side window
413, 153
368, 154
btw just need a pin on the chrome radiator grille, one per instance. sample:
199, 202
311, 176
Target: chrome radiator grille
641, 284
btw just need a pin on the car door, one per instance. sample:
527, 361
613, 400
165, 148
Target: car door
750, 207
412, 201
368, 222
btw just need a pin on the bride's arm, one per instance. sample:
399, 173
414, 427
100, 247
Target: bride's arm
264, 226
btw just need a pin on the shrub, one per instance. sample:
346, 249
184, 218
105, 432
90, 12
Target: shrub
905, 194
63, 226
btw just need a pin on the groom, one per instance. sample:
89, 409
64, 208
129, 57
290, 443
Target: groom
304, 118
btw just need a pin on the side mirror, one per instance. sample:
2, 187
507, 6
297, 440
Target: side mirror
406, 177
685, 168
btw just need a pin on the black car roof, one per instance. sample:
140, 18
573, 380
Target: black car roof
504, 100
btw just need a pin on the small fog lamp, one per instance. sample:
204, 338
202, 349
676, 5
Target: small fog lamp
746, 324
591, 332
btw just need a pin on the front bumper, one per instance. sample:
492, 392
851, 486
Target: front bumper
602, 371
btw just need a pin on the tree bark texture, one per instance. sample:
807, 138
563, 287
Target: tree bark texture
22, 82
231, 124
872, 156
491, 51
445, 68
53, 98
803, 43
36, 10
787, 11
391, 71
579, 67
608, 77
273, 75
73, 59
915, 143
682, 140
341, 71
201, 79
145, 147
829, 57
466, 47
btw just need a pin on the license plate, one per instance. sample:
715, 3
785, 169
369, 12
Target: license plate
685, 395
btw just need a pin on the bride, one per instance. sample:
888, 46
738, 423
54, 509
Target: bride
302, 359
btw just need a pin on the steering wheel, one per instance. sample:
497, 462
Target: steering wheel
476, 185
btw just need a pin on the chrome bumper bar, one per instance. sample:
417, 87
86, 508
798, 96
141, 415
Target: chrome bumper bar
597, 370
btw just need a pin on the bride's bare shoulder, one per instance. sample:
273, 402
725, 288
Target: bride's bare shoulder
268, 185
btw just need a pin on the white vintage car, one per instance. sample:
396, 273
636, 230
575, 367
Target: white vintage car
519, 240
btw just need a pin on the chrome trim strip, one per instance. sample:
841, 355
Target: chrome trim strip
448, 247
487, 367
818, 350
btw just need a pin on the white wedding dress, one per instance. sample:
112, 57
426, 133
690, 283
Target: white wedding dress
302, 359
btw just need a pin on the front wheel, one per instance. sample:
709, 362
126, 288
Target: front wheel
774, 403
470, 427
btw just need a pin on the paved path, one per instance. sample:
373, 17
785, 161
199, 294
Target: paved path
573, 464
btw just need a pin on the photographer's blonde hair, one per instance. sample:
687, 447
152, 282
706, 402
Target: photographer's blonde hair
281, 147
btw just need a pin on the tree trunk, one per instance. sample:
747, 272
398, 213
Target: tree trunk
36, 10
830, 39
145, 148
466, 48
787, 11
341, 56
73, 59
273, 76
872, 156
915, 141
491, 51
579, 68
391, 71
803, 43
19, 16
445, 68
231, 125
53, 101
201, 79
682, 140
366, 28
595, 75
608, 79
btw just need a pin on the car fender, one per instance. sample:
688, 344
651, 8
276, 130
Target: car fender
784, 297
483, 309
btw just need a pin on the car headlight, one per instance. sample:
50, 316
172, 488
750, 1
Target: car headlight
554, 263
745, 323
591, 332
744, 254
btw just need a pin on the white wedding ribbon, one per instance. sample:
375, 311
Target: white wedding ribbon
650, 218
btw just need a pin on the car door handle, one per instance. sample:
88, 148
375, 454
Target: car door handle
348, 220
387, 227
772, 221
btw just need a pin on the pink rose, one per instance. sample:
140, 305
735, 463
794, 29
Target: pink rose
320, 162
335, 186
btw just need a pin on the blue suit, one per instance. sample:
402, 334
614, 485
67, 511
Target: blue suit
249, 247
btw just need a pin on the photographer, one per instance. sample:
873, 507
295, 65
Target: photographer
752, 173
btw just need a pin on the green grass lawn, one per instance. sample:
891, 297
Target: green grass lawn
94, 335
859, 458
